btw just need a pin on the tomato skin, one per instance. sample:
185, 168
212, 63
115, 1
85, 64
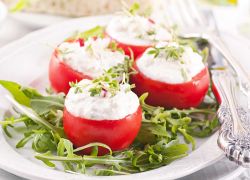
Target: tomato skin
118, 134
136, 49
60, 74
182, 95
216, 93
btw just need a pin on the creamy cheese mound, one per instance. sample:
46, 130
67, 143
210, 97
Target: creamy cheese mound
166, 69
136, 30
92, 59
103, 107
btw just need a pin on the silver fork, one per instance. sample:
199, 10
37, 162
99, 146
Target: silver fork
234, 138
192, 23
234, 134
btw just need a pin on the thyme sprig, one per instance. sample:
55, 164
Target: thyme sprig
172, 52
110, 81
97, 32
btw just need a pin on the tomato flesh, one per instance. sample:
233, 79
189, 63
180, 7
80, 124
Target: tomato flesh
117, 134
136, 49
182, 95
60, 74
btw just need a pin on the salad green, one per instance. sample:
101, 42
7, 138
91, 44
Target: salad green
157, 144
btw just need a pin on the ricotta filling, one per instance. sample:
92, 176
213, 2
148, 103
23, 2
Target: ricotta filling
92, 59
167, 69
102, 107
137, 30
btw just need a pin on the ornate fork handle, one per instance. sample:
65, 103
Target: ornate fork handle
243, 77
234, 135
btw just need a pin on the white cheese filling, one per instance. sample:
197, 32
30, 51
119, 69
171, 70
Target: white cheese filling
99, 107
166, 69
92, 59
136, 30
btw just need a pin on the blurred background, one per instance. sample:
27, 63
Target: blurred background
19, 17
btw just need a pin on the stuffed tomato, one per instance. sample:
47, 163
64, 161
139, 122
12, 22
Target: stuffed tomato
173, 75
101, 116
136, 33
76, 60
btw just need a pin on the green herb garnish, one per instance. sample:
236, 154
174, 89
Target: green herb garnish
97, 31
172, 52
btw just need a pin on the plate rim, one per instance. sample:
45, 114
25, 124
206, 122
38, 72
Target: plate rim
16, 46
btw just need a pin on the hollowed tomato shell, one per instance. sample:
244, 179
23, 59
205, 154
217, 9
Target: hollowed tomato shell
136, 49
117, 134
182, 95
60, 74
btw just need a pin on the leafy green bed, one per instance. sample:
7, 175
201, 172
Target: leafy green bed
157, 144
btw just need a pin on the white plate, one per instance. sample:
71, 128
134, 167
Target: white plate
3, 11
37, 20
26, 62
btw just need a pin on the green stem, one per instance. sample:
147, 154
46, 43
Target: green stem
192, 110
34, 116
89, 159
14, 121
113, 171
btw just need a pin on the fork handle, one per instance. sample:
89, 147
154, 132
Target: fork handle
219, 44
234, 134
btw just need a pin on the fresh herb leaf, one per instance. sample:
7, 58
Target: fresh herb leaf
97, 31
44, 104
16, 91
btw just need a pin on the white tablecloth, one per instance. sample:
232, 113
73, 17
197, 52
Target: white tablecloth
229, 20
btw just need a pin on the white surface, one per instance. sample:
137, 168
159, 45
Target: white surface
101, 107
37, 20
166, 69
92, 59
27, 65
3, 12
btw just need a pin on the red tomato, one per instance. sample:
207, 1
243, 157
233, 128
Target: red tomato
137, 50
117, 134
182, 95
60, 74
216, 93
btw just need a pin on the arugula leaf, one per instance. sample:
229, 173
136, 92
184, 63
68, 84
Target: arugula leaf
187, 137
30, 92
45, 161
43, 141
16, 91
44, 104
170, 149
25, 140
109, 172
35, 117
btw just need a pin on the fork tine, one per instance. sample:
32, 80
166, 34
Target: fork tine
184, 13
196, 14
174, 17
169, 18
